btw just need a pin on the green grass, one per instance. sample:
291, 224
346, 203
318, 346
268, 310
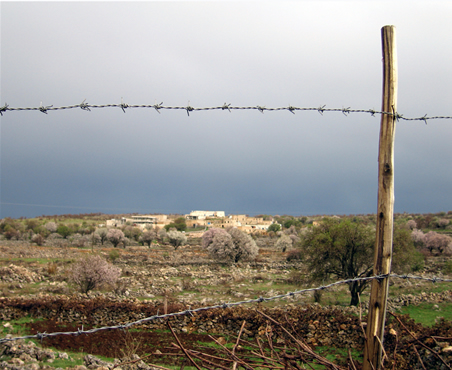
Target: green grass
426, 314
17, 326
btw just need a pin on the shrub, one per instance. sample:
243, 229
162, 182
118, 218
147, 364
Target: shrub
93, 271
113, 255
447, 269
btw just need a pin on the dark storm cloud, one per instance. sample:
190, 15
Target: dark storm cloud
274, 54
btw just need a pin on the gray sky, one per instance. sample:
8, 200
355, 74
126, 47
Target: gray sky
273, 54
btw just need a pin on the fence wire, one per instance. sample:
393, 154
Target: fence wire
41, 336
157, 107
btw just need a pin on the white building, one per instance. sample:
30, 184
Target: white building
202, 215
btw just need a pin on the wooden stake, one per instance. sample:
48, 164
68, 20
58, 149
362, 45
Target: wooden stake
385, 214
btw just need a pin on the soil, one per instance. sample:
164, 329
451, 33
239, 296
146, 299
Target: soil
122, 343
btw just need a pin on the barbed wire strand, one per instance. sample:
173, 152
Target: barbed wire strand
223, 305
225, 106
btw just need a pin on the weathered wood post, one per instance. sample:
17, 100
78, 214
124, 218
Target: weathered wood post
385, 213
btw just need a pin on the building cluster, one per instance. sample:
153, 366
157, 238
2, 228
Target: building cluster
207, 219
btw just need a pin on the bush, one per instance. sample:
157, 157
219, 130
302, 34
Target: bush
93, 271
113, 255
447, 269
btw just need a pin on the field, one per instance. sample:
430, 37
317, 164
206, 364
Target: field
161, 279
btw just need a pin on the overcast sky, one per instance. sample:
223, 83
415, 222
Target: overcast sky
272, 54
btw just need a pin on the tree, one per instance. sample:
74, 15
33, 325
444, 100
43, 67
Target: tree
93, 271
418, 237
115, 236
102, 233
64, 231
342, 249
179, 223
230, 245
161, 234
176, 238
208, 236
148, 237
274, 227
411, 224
345, 250
284, 242
439, 243
51, 226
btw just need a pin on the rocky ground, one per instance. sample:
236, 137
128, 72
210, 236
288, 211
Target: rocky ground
34, 281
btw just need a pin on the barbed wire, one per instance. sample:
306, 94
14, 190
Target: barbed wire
41, 336
292, 109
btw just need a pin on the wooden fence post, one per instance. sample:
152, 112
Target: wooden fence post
385, 213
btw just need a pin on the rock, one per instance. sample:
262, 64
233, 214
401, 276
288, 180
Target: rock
16, 361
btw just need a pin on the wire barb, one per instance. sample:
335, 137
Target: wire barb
123, 105
44, 109
226, 106
321, 109
291, 109
424, 118
157, 107
189, 109
84, 105
3, 109
346, 111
